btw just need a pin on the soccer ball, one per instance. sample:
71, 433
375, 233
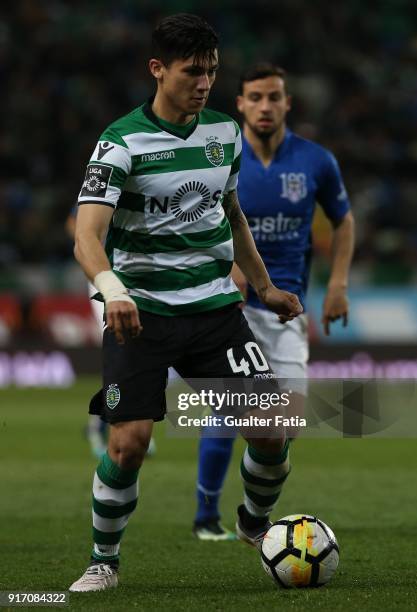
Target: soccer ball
300, 551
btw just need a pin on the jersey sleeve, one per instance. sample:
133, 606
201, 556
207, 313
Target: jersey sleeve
332, 195
107, 171
235, 167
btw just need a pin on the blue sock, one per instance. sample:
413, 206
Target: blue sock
213, 461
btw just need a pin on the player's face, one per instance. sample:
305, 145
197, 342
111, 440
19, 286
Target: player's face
186, 84
264, 104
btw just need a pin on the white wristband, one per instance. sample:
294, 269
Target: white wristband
111, 288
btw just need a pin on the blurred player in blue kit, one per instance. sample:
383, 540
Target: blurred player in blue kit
282, 178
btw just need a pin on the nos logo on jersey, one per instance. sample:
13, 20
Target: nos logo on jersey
294, 186
215, 152
112, 396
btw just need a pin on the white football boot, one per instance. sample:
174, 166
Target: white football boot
97, 577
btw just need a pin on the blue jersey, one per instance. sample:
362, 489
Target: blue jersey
279, 203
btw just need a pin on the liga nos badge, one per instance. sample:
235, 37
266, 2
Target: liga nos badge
215, 152
97, 179
112, 396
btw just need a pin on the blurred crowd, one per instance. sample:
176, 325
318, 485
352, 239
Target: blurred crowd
68, 68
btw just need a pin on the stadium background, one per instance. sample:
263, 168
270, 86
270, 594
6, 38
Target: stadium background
67, 69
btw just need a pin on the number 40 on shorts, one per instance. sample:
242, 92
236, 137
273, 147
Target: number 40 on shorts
256, 357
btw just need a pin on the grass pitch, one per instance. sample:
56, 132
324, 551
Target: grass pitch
364, 489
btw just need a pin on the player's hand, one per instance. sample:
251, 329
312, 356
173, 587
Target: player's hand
336, 306
123, 320
285, 304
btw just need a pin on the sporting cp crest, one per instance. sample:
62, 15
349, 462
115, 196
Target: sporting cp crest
112, 396
215, 152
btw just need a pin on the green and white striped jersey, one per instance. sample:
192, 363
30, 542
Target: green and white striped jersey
169, 241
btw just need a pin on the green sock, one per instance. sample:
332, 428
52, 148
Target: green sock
263, 478
115, 495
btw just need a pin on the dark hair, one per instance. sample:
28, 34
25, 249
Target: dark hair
183, 35
260, 70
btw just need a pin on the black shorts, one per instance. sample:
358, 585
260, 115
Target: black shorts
213, 344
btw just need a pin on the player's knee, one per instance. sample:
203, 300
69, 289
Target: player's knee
129, 451
129, 456
270, 446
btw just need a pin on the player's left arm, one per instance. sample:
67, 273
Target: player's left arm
284, 303
335, 202
336, 303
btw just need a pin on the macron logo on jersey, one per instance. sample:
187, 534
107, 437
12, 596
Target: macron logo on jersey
103, 148
161, 155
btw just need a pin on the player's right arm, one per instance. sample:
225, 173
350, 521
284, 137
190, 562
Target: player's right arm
107, 172
91, 228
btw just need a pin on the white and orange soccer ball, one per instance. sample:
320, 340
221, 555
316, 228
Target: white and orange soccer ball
300, 551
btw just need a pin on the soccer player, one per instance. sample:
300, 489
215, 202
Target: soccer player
161, 184
282, 177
